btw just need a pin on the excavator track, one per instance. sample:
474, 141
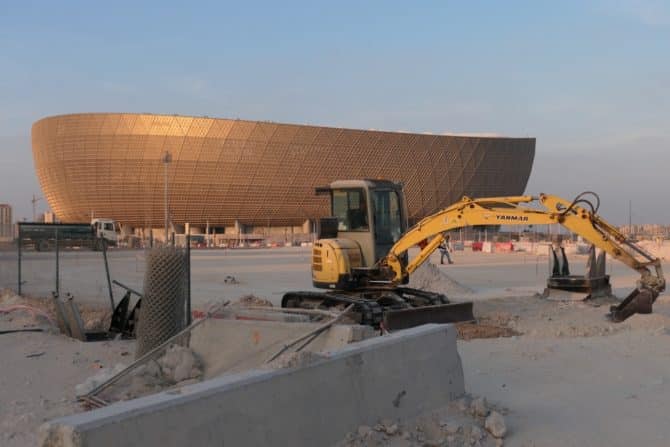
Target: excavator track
393, 307
367, 312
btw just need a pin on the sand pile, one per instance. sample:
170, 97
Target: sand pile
430, 277
465, 422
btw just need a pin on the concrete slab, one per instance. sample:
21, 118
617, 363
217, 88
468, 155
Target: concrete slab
230, 346
396, 376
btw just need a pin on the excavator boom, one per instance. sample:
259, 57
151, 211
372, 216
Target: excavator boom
549, 209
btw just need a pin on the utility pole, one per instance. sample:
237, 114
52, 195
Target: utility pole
34, 202
166, 159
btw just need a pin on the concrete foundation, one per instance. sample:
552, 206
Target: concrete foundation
395, 376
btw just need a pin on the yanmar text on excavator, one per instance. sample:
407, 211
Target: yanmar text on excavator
361, 254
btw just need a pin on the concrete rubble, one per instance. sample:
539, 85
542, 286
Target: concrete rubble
458, 424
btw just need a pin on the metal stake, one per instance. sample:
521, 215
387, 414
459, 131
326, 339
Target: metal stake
166, 159
57, 263
19, 256
188, 276
109, 281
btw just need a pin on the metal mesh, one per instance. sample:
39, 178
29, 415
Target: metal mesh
162, 309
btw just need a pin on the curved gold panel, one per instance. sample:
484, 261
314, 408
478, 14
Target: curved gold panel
259, 173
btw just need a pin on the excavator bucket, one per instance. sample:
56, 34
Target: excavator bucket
416, 316
562, 286
639, 301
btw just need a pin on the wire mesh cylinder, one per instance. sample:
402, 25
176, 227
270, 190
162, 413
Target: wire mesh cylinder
162, 309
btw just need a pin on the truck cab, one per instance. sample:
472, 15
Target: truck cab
105, 229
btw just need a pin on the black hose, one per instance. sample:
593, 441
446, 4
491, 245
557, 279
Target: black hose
578, 199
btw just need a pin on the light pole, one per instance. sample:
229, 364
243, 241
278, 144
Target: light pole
166, 159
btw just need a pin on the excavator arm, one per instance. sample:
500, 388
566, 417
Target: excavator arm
518, 210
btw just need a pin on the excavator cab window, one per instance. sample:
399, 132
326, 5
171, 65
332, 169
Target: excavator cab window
387, 216
350, 208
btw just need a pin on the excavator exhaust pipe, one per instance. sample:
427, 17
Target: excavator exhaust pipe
640, 301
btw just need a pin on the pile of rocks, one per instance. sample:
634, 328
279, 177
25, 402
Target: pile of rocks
466, 422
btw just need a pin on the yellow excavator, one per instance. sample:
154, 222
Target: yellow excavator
361, 254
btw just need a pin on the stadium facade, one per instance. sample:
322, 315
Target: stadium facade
237, 173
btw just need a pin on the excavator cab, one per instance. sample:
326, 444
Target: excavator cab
368, 217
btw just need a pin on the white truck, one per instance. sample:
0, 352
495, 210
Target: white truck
105, 229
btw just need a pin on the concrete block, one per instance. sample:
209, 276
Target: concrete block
395, 376
230, 346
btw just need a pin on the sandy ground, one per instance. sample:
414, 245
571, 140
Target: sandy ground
262, 272
269, 273
38, 377
567, 375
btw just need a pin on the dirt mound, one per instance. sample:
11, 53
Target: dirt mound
430, 277
492, 325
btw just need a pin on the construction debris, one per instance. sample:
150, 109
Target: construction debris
252, 300
96, 380
459, 424
495, 424
179, 363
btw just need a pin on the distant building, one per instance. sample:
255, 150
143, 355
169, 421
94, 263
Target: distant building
250, 177
49, 217
6, 222
646, 230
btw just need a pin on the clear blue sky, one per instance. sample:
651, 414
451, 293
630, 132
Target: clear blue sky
589, 79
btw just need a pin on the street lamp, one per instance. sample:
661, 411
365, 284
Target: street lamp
166, 158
